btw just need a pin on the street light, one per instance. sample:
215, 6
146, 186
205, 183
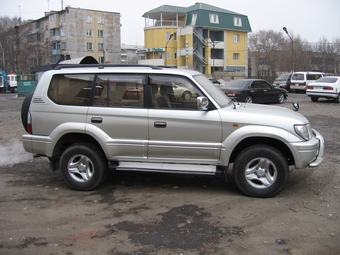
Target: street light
213, 43
18, 48
166, 45
292, 64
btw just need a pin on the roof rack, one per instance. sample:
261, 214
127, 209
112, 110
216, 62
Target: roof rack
102, 66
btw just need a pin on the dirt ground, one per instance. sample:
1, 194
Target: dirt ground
145, 214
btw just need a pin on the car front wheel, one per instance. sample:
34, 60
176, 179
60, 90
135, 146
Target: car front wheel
83, 166
260, 171
281, 98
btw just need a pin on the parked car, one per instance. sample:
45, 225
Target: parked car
325, 87
300, 80
254, 91
219, 82
183, 92
88, 120
283, 81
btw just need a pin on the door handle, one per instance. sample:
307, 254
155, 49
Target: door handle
96, 120
159, 124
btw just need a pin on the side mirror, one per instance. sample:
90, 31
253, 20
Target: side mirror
296, 106
202, 103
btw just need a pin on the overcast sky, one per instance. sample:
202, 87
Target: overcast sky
310, 19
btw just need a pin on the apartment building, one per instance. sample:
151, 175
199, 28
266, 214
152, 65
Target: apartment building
201, 37
74, 33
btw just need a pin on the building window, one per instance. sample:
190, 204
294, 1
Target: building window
100, 33
101, 46
63, 31
214, 18
193, 19
101, 59
160, 55
89, 46
175, 36
63, 45
175, 55
237, 22
89, 19
89, 32
168, 55
167, 36
52, 18
236, 38
62, 18
100, 20
236, 56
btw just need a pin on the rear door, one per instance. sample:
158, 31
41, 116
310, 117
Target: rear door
178, 131
119, 117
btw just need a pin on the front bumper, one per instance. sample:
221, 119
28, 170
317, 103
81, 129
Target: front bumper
321, 152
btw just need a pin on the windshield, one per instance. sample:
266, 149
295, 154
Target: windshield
221, 99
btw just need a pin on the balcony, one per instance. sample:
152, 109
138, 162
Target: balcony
55, 38
165, 23
56, 52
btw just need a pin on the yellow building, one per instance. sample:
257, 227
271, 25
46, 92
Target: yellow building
200, 37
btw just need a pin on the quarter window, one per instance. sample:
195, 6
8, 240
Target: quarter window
71, 89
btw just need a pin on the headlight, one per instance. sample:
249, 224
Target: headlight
304, 131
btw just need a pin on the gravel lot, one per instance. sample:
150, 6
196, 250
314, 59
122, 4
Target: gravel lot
141, 213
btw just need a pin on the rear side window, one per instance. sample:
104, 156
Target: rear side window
313, 77
71, 89
119, 91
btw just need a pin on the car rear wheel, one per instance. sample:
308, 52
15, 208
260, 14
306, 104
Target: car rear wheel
260, 171
248, 100
83, 166
314, 99
337, 99
281, 98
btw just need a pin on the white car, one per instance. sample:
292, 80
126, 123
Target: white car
325, 87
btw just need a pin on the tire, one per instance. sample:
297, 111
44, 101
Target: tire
249, 100
314, 99
337, 99
186, 95
281, 98
24, 110
260, 171
83, 166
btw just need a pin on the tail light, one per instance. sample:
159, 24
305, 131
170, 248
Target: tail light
29, 123
303, 84
327, 88
310, 87
231, 94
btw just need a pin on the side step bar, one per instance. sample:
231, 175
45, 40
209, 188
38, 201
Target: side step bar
167, 168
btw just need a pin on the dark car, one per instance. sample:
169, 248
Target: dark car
283, 81
254, 91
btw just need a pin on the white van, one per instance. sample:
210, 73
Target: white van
300, 80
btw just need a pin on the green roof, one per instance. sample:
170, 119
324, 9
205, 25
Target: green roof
203, 11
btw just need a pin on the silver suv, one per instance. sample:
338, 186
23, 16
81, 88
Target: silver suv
89, 119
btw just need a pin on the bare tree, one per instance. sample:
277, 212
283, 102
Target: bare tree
265, 50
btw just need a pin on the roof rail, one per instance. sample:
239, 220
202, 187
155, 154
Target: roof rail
102, 66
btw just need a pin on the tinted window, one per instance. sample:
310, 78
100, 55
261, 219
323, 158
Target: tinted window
71, 89
119, 91
173, 92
